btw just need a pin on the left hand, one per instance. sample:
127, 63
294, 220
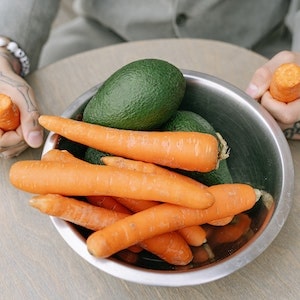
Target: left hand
286, 114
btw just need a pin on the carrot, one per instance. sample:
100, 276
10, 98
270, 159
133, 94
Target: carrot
136, 205
141, 166
194, 235
285, 83
231, 232
167, 246
192, 151
172, 248
47, 177
230, 199
221, 222
61, 156
112, 204
75, 211
109, 203
9, 114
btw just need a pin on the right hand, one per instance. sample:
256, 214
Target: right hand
29, 133
287, 115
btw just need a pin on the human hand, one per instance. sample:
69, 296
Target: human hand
286, 114
29, 133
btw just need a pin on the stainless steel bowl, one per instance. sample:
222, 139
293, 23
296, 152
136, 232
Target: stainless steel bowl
259, 155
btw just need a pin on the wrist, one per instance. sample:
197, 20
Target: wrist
8, 59
19, 59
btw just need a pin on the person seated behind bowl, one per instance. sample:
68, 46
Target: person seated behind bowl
271, 28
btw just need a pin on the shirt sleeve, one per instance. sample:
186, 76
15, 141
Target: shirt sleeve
293, 23
28, 23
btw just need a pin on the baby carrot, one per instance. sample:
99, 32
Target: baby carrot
230, 199
168, 246
47, 177
75, 211
285, 83
9, 114
192, 151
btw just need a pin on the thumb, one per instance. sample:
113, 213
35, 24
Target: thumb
32, 132
259, 82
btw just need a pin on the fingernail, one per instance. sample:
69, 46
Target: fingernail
252, 90
35, 139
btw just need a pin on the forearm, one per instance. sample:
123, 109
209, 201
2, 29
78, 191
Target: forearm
28, 22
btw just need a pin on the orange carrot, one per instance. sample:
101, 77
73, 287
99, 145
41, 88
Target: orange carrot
172, 248
221, 222
167, 246
141, 166
285, 83
61, 156
185, 150
112, 204
109, 203
136, 205
231, 232
47, 177
9, 114
194, 235
75, 211
230, 199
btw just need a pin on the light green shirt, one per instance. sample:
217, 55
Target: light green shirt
264, 26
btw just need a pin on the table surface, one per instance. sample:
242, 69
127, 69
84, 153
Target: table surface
36, 263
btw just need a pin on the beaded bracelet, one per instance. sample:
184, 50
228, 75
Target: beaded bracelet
18, 53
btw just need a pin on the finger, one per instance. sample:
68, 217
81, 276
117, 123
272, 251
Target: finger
261, 79
11, 138
13, 151
284, 113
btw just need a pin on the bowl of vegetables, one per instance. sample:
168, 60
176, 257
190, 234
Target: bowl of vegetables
258, 167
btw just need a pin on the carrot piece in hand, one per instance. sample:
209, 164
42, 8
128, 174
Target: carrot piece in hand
285, 83
9, 114
192, 151
50, 177
230, 199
